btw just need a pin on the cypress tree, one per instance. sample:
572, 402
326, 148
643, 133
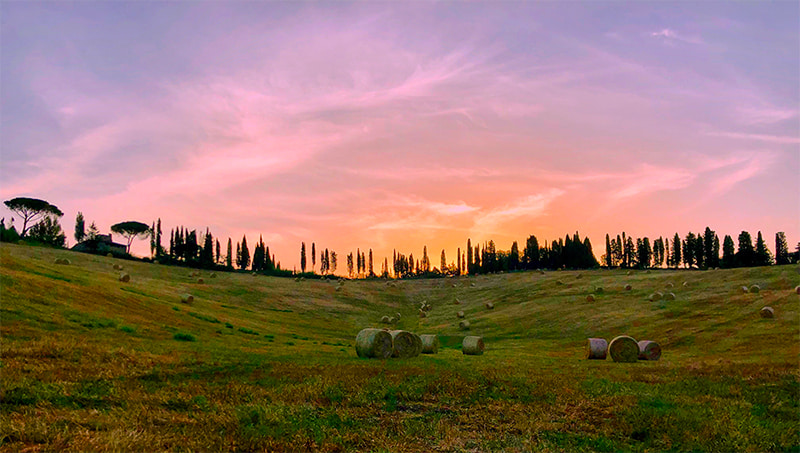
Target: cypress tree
302, 257
159, 248
229, 256
313, 257
745, 255
216, 256
781, 249
728, 253
609, 259
245, 254
676, 251
371, 273
469, 256
80, 227
763, 256
513, 256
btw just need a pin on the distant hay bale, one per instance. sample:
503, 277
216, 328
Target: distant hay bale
541, 272
649, 350
599, 290
628, 273
297, 279
797, 289
110, 255
404, 345
458, 302
454, 285
744, 289
374, 343
655, 296
685, 284
392, 320
124, 277
397, 316
670, 285
187, 298
559, 282
117, 267
430, 344
669, 296
200, 281
579, 276
755, 289
767, 312
472, 284
472, 345
338, 288
423, 313
628, 287
596, 349
463, 325
648, 271
590, 298
385, 319
489, 305
254, 274
213, 275
623, 349
460, 315
63, 261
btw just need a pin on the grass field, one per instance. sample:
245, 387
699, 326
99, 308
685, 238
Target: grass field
259, 363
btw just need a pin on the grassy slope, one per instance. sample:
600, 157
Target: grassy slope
90, 363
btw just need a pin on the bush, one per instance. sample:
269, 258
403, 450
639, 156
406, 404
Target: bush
180, 336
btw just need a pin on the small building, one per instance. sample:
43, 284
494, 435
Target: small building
102, 243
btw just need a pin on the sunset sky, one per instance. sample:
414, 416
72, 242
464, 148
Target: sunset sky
398, 125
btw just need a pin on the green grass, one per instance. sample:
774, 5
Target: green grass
91, 364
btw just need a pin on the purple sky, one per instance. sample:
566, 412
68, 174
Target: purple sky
398, 125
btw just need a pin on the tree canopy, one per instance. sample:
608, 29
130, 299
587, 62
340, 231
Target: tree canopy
131, 230
31, 210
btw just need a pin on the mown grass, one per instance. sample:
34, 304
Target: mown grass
90, 363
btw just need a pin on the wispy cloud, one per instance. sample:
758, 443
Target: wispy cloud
669, 35
530, 206
767, 115
780, 139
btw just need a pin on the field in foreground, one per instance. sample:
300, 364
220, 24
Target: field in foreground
257, 363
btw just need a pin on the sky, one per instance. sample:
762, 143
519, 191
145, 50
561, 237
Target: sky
390, 125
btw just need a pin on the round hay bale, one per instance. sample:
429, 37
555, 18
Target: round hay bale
297, 279
596, 349
669, 296
648, 271
472, 345
392, 320
458, 302
374, 343
623, 349
744, 289
541, 272
685, 284
187, 298
117, 267
63, 261
124, 277
590, 298
110, 255
385, 320
579, 276
404, 344
670, 285
423, 314
460, 315
628, 287
430, 344
767, 312
338, 288
599, 290
655, 296
463, 325
628, 273
254, 274
200, 281
489, 305
454, 285
397, 316
559, 282
649, 350
472, 284
797, 289
755, 289
213, 275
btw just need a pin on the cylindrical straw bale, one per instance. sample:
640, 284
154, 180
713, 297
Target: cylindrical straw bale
623, 349
110, 255
124, 277
458, 302
489, 305
385, 320
460, 315
213, 275
430, 344
417, 344
656, 296
669, 296
649, 350
472, 345
628, 287
755, 289
423, 313
338, 288
541, 272
397, 316
599, 290
744, 289
472, 284
797, 289
596, 349
404, 344
590, 298
117, 267
559, 282
579, 276
374, 343
628, 273
670, 285
200, 281
392, 320
767, 312
463, 325
187, 298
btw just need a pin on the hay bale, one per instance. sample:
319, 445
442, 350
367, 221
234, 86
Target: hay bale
541, 272
64, 261
744, 289
590, 298
599, 290
423, 313
124, 277
187, 298
767, 312
797, 289
458, 302
338, 288
392, 320
755, 289
670, 285
463, 325
297, 279
623, 349
489, 305
430, 344
200, 281
559, 282
686, 284
649, 350
385, 320
110, 255
397, 316
669, 296
117, 267
213, 275
648, 271
596, 349
404, 345
472, 345
374, 343
628, 273
579, 276
460, 315
628, 287
472, 284
655, 296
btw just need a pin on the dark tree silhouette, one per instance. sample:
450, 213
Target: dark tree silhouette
31, 210
80, 227
131, 230
781, 249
